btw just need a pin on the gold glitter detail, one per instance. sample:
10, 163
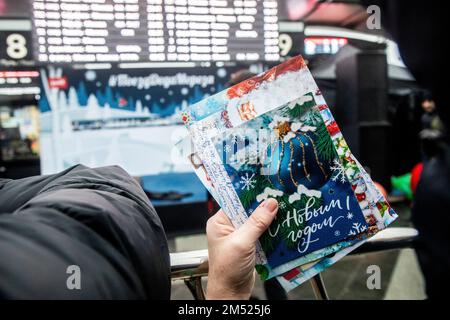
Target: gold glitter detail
279, 163
291, 146
303, 160
317, 158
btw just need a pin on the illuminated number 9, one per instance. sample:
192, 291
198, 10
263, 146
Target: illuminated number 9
285, 43
16, 46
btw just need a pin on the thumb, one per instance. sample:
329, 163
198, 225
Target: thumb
258, 222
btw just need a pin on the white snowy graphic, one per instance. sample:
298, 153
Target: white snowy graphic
247, 181
357, 228
338, 172
301, 189
268, 192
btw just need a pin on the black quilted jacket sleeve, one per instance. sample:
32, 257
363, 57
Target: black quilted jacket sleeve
97, 219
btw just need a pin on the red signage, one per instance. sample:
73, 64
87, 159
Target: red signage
58, 83
19, 74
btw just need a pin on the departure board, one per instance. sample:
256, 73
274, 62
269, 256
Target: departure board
88, 31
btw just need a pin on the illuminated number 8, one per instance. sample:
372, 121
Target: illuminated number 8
16, 46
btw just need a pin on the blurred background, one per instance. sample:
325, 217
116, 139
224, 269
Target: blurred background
103, 82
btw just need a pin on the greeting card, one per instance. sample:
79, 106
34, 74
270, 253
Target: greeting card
274, 136
287, 154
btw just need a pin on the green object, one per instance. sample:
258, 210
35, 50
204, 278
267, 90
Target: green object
262, 271
402, 184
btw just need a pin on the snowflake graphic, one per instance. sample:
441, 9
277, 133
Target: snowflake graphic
227, 148
247, 181
338, 171
356, 229
337, 233
282, 205
349, 216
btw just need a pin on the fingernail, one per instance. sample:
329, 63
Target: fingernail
271, 204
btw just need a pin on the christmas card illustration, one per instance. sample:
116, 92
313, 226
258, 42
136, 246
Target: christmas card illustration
287, 154
274, 136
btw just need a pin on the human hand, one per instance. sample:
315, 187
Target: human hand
232, 252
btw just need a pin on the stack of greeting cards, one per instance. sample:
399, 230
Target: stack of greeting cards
274, 136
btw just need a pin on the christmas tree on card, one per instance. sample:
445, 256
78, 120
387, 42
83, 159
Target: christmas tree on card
274, 136
299, 166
